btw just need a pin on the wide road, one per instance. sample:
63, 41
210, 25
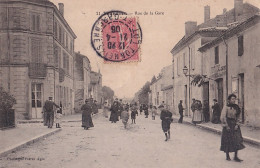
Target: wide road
141, 145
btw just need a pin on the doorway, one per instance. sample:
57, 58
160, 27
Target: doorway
220, 92
37, 100
185, 100
241, 94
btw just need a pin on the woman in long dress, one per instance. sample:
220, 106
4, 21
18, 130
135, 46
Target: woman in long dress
114, 112
197, 114
231, 139
86, 115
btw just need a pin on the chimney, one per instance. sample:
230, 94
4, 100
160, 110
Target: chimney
224, 11
238, 7
190, 28
61, 8
206, 13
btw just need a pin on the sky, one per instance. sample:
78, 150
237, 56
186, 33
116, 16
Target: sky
160, 34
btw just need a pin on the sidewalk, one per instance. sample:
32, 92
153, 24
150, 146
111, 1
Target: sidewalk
250, 134
22, 135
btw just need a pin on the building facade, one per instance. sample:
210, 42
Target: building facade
185, 52
37, 55
82, 70
95, 87
232, 62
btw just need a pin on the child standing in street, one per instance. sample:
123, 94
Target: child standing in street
58, 118
154, 111
125, 117
134, 112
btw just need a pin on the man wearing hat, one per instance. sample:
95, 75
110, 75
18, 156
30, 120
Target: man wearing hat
86, 115
166, 117
49, 111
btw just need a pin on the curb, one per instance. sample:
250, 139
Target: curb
26, 143
248, 140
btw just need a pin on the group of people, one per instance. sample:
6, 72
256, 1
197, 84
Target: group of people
201, 112
229, 117
49, 116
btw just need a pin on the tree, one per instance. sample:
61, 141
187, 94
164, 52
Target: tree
108, 93
199, 80
143, 96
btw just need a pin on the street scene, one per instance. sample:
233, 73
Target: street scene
130, 83
140, 145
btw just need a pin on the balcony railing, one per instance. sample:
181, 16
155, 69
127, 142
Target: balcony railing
37, 70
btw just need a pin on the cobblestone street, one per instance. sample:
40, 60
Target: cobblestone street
141, 145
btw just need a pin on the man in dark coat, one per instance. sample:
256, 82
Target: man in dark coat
206, 110
48, 108
114, 112
216, 112
180, 111
86, 110
166, 117
145, 108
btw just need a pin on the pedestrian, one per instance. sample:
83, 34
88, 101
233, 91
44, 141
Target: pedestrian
120, 108
49, 109
58, 117
114, 112
105, 110
145, 108
180, 111
134, 113
197, 114
216, 112
154, 112
166, 117
95, 107
125, 117
86, 110
141, 109
231, 139
206, 110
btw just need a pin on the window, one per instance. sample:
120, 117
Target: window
178, 66
217, 55
35, 22
240, 41
55, 30
184, 59
36, 51
60, 33
66, 43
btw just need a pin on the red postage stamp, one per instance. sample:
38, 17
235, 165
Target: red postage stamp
116, 37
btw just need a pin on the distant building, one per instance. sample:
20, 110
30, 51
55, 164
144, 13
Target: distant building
95, 87
82, 71
37, 55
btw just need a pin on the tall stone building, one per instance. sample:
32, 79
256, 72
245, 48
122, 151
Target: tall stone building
82, 71
36, 55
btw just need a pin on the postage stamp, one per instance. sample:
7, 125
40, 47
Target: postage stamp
116, 37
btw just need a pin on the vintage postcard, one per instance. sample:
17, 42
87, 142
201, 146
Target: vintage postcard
137, 84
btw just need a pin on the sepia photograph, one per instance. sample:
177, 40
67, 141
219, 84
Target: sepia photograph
129, 83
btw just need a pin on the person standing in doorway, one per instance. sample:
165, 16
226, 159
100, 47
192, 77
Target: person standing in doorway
166, 117
180, 111
206, 110
231, 139
49, 109
216, 112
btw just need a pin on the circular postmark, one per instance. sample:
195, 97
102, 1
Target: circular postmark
116, 37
